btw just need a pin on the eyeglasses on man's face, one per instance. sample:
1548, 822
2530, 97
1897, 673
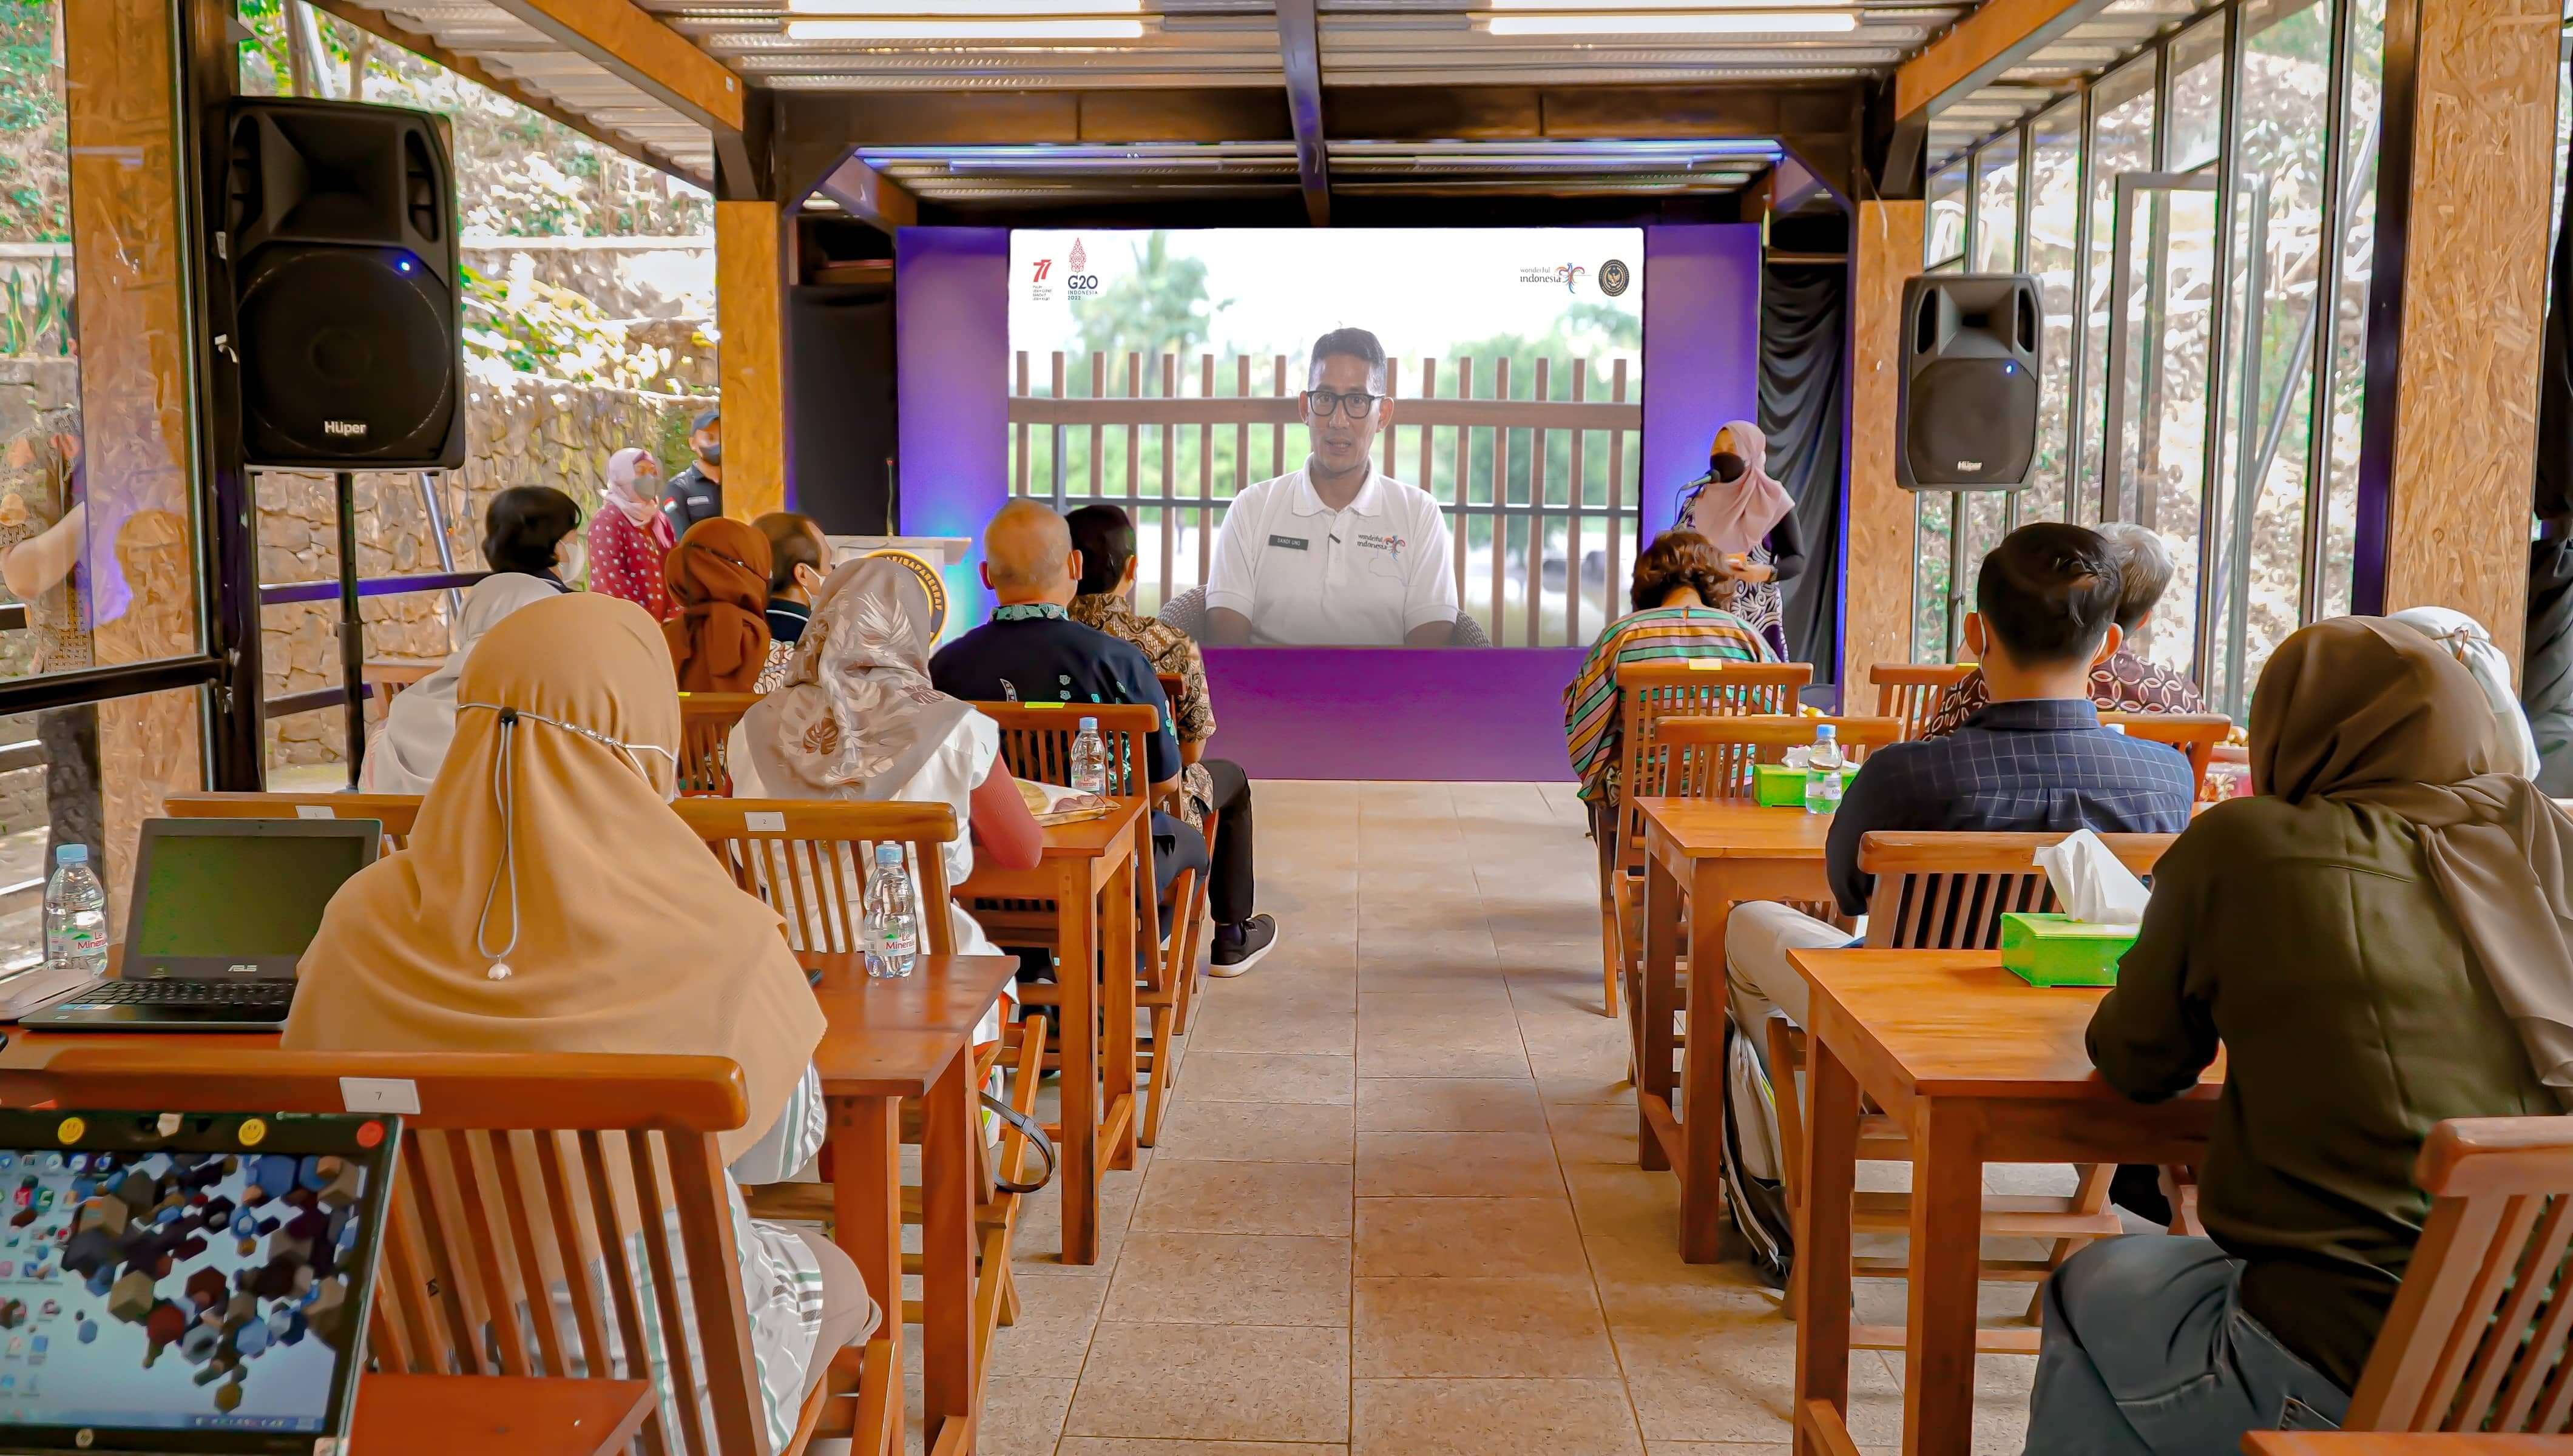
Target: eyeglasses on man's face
1357, 404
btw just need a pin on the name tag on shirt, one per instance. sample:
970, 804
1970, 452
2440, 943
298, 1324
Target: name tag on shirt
1292, 543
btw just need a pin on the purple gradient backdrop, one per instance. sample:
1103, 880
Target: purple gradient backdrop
1329, 712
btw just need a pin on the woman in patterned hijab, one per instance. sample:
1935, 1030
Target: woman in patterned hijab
858, 719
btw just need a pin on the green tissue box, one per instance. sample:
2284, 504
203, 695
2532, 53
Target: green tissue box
2056, 950
1776, 786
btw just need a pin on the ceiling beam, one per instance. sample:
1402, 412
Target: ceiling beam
382, 26
868, 196
632, 45
1299, 48
1977, 49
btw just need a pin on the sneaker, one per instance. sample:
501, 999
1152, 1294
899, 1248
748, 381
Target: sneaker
1238, 948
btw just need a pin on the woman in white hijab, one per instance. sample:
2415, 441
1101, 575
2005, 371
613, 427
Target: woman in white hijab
2514, 747
858, 719
412, 742
1752, 522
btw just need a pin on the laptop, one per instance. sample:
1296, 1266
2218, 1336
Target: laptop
222, 909
202, 1289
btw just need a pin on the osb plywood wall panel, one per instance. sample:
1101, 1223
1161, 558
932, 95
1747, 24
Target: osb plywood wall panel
1881, 515
127, 250
751, 312
2474, 309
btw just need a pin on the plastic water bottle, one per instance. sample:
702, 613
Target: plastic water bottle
1823, 771
892, 919
74, 914
1089, 760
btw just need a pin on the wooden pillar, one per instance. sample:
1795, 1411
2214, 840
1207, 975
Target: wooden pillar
1877, 627
2473, 148
751, 313
128, 251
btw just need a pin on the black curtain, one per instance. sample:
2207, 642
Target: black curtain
2546, 674
1803, 367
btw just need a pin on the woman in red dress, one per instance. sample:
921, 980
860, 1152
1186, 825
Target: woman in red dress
628, 537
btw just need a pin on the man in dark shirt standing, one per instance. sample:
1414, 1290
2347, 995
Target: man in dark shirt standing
1030, 652
2036, 758
697, 494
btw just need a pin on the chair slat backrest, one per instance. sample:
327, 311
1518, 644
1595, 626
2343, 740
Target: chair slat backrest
705, 728
1701, 687
809, 859
2194, 734
2476, 1340
516, 1173
1711, 758
1909, 691
1036, 740
1949, 891
396, 812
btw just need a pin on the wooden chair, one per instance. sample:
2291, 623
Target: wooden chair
515, 1175
1649, 694
2476, 1340
1946, 892
1909, 691
809, 861
1711, 758
1036, 742
2194, 734
395, 811
1190, 913
705, 727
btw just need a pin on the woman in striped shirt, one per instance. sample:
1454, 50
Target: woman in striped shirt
1675, 580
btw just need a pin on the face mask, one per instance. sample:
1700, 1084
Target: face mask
571, 558
712, 454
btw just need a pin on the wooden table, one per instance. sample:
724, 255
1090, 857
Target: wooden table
1977, 1067
498, 1415
911, 1037
1085, 865
2387, 1443
1713, 851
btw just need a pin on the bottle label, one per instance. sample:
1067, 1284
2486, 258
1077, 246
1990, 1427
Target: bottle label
902, 941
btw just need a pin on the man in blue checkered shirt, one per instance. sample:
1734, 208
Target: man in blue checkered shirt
2035, 758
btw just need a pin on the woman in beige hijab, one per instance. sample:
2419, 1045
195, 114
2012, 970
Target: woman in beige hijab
2378, 941
515, 922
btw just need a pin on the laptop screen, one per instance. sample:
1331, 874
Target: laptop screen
239, 895
217, 1292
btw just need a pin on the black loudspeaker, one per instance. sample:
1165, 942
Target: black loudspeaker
339, 228
1967, 412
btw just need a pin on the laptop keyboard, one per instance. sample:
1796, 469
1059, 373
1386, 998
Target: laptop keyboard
248, 995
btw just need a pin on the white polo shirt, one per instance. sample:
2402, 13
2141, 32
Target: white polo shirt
1310, 577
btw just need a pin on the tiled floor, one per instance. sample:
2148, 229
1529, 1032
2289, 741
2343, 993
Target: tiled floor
1396, 1210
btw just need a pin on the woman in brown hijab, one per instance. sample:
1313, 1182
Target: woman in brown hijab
514, 921
718, 580
2380, 941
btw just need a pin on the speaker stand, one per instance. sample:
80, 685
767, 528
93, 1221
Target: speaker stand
352, 633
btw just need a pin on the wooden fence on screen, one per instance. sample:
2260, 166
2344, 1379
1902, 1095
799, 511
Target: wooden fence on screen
1513, 475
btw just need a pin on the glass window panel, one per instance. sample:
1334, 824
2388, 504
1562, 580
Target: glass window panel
2255, 589
2357, 244
1996, 206
97, 548
2159, 438
2053, 222
2123, 108
1930, 576
2198, 96
1945, 237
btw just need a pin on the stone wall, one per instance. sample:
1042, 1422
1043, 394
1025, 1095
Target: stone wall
627, 278
521, 431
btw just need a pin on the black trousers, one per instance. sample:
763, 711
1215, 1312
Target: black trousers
1229, 883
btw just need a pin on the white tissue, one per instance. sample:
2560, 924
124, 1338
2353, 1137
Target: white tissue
2089, 884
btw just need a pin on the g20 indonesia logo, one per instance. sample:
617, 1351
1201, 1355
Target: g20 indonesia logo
1613, 278
1078, 280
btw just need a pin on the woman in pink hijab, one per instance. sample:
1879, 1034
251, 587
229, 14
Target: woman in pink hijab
1752, 522
629, 535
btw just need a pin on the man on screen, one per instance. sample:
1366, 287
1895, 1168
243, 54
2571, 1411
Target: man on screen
1335, 555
